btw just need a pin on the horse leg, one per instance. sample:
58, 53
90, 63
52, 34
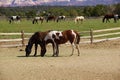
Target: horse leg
107, 20
10, 21
33, 21
115, 20
43, 50
47, 20
36, 21
57, 20
57, 50
41, 21
36, 45
54, 49
77, 47
73, 46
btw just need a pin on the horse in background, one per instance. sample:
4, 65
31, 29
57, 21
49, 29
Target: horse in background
14, 18
61, 18
61, 37
36, 19
79, 18
50, 17
109, 16
37, 39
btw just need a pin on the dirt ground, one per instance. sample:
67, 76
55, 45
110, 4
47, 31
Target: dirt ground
100, 61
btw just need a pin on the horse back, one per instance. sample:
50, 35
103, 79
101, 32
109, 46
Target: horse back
71, 36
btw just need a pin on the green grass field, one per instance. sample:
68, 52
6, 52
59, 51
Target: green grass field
27, 26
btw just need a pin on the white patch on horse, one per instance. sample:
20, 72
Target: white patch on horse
60, 34
37, 17
73, 33
50, 34
14, 17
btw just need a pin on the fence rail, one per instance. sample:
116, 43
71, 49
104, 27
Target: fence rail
90, 37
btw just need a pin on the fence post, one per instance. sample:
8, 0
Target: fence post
91, 36
22, 36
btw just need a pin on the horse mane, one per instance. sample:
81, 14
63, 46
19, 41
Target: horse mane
33, 38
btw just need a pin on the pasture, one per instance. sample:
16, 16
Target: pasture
98, 61
27, 26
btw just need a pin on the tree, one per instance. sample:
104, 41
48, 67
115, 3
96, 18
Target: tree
117, 9
99, 10
88, 10
30, 14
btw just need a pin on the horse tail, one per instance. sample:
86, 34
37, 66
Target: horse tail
103, 19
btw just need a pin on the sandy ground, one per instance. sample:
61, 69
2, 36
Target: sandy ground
100, 61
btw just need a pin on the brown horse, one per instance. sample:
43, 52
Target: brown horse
50, 17
109, 16
36, 38
58, 37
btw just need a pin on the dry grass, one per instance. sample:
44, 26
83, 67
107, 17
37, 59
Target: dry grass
100, 61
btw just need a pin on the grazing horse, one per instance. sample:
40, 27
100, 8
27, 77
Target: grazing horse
61, 18
50, 17
79, 18
109, 16
58, 37
36, 19
14, 18
36, 38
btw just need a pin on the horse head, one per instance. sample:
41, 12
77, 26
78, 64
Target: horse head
28, 50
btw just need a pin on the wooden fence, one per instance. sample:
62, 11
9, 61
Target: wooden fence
101, 33
89, 39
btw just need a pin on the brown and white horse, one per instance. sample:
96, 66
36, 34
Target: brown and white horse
54, 37
61, 37
36, 19
79, 18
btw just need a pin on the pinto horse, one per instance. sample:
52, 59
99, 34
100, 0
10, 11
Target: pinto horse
36, 38
79, 18
36, 19
60, 18
109, 16
58, 37
14, 18
54, 37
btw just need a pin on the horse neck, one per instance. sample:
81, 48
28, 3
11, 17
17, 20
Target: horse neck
31, 42
30, 45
